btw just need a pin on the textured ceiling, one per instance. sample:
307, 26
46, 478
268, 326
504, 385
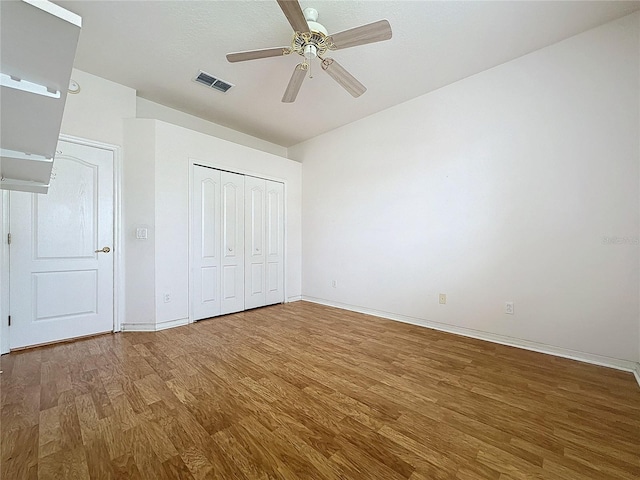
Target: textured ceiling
157, 48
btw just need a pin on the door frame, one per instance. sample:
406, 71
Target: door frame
118, 244
240, 171
4, 276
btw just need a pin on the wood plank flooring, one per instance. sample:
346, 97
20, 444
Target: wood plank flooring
302, 391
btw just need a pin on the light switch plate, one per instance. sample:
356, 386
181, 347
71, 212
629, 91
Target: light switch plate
141, 233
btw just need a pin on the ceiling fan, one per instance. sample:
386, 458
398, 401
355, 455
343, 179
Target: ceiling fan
311, 40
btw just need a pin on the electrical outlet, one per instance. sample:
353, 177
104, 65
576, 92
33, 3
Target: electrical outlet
508, 308
442, 298
334, 283
167, 297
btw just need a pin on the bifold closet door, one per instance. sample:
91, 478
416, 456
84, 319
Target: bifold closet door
264, 242
274, 236
232, 223
206, 242
217, 242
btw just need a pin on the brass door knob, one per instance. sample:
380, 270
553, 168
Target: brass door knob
104, 250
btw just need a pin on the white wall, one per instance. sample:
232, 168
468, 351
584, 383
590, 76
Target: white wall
504, 186
97, 112
174, 147
106, 111
149, 109
139, 212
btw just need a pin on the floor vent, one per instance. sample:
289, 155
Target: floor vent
212, 82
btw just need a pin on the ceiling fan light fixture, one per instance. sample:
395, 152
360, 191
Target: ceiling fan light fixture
310, 52
311, 40
314, 42
318, 40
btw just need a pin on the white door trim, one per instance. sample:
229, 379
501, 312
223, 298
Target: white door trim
226, 168
118, 244
5, 346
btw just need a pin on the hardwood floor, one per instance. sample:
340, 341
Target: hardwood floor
302, 391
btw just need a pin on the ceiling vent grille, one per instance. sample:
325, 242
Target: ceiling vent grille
212, 82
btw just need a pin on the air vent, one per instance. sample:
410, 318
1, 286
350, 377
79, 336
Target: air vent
212, 82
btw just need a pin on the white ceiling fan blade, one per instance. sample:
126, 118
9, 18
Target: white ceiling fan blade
293, 12
295, 83
256, 54
370, 33
344, 78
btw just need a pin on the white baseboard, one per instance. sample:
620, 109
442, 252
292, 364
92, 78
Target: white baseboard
297, 298
594, 359
154, 327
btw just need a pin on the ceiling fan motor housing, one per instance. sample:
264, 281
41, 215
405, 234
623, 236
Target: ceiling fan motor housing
311, 16
317, 27
314, 42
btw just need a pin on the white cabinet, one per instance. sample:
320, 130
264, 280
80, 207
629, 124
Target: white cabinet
237, 242
37, 47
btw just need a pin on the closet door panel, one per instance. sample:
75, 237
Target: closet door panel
232, 242
209, 283
274, 225
206, 243
255, 194
257, 280
256, 229
273, 280
230, 291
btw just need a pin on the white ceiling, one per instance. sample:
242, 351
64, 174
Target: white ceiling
157, 47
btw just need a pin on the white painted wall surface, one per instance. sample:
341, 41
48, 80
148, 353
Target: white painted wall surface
139, 212
97, 112
149, 109
505, 186
174, 147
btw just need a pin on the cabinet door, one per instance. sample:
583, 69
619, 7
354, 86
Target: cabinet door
206, 237
232, 255
274, 243
254, 221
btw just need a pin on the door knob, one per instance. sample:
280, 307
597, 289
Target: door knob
104, 250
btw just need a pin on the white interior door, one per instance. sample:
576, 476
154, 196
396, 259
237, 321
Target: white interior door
232, 295
254, 220
274, 237
61, 279
205, 245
